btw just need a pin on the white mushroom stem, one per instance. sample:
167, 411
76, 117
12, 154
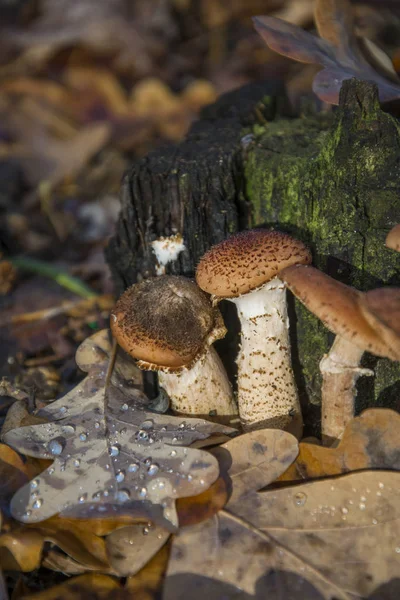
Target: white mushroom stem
202, 390
267, 393
340, 369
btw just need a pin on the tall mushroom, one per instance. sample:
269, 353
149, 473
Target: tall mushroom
342, 309
244, 269
168, 325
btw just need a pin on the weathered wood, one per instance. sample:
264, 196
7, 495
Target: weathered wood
330, 179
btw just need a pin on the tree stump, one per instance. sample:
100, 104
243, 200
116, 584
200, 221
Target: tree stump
332, 180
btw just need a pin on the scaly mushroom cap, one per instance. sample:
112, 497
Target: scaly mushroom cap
381, 309
166, 321
393, 238
248, 260
337, 305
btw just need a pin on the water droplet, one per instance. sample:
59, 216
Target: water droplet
27, 513
374, 521
120, 476
82, 498
174, 440
114, 450
97, 425
361, 506
106, 493
123, 496
34, 495
300, 499
153, 469
63, 409
38, 503
34, 484
145, 531
148, 424
123, 431
76, 462
133, 468
161, 484
124, 407
142, 435
397, 550
96, 496
147, 461
68, 428
55, 447
83, 436
51, 470
345, 510
363, 499
381, 485
143, 492
190, 477
202, 482
173, 453
181, 425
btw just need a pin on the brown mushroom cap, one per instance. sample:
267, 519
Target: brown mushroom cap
393, 238
337, 306
381, 309
166, 321
248, 260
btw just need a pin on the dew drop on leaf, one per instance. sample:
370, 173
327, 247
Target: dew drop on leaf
124, 407
300, 499
82, 498
120, 476
148, 424
55, 447
133, 467
83, 436
37, 503
153, 469
77, 462
68, 428
123, 496
143, 492
113, 450
34, 484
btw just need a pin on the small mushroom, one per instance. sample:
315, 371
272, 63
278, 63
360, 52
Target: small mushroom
244, 269
393, 238
339, 307
168, 325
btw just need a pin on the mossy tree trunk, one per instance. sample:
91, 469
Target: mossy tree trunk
333, 180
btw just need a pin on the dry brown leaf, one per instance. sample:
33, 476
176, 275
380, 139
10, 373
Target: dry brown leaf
13, 475
129, 549
334, 538
196, 509
146, 585
111, 456
370, 441
337, 50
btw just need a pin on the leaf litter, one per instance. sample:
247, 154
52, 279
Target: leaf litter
110, 454
333, 538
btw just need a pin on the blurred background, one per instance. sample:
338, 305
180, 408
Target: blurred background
86, 87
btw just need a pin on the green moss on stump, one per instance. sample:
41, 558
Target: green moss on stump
334, 181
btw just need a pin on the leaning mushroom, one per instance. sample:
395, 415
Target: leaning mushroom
393, 238
168, 325
339, 307
244, 269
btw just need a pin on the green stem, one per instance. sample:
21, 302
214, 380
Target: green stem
73, 284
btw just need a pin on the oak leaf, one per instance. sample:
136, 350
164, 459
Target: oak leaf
111, 455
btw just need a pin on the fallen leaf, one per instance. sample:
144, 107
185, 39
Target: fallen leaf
129, 549
338, 50
196, 509
147, 584
333, 538
13, 475
370, 441
111, 456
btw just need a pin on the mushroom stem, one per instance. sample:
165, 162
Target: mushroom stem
340, 370
267, 393
204, 389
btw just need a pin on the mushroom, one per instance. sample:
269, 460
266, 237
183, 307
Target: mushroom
393, 238
244, 269
343, 310
168, 325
